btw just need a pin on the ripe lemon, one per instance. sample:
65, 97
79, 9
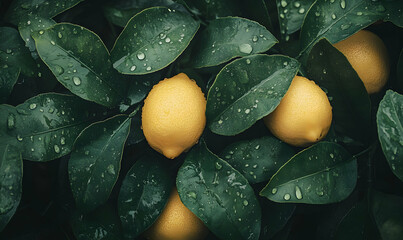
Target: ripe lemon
303, 116
176, 222
173, 116
367, 53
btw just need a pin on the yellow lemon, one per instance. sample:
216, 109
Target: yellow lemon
173, 116
303, 116
367, 54
176, 222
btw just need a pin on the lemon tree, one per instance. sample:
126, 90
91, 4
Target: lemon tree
216, 119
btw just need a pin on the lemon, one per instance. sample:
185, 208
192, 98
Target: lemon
173, 116
303, 116
176, 222
367, 54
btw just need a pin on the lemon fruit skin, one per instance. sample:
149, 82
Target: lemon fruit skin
176, 222
368, 55
303, 116
174, 115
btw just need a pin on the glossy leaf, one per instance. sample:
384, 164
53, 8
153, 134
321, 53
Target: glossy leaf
11, 182
324, 173
22, 10
390, 130
291, 15
230, 37
8, 77
337, 20
274, 217
350, 102
246, 90
394, 9
219, 195
80, 61
33, 25
94, 164
149, 33
44, 127
144, 193
258, 159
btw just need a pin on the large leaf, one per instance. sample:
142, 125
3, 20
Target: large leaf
144, 193
80, 61
45, 126
219, 195
94, 164
390, 130
148, 34
351, 105
230, 37
337, 20
10, 182
324, 173
394, 10
258, 159
8, 77
246, 90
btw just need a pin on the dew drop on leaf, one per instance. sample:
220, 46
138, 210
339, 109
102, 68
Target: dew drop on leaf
245, 48
298, 193
76, 81
56, 148
141, 56
287, 196
32, 106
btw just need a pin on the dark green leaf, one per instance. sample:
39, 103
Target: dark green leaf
400, 71
258, 159
351, 105
394, 10
148, 34
22, 10
8, 77
324, 173
390, 130
246, 90
100, 224
388, 213
212, 9
274, 217
139, 86
10, 182
219, 195
80, 61
45, 126
136, 133
144, 193
337, 20
95, 161
230, 37
291, 15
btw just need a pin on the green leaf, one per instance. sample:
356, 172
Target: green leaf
321, 174
44, 127
8, 78
100, 224
246, 90
389, 120
291, 15
274, 217
230, 37
80, 61
21, 10
394, 9
258, 159
400, 72
212, 9
95, 161
337, 20
388, 213
136, 133
219, 195
148, 34
351, 105
13, 52
10, 184
144, 193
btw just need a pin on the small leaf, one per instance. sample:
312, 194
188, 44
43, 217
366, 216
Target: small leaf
394, 9
95, 161
258, 159
230, 37
246, 90
33, 25
80, 61
274, 217
45, 126
8, 78
389, 120
219, 195
324, 173
10, 184
144, 193
148, 34
350, 102
337, 20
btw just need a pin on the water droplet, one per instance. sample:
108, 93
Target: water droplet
245, 48
218, 166
76, 81
317, 14
148, 68
62, 140
297, 4
167, 40
247, 111
298, 193
282, 15
343, 4
257, 147
19, 138
359, 13
287, 197
192, 195
301, 10
11, 121
53, 43
56, 148
41, 32
283, 3
59, 70
32, 149
332, 155
320, 193
333, 16
111, 169
345, 26
141, 56
245, 202
163, 35
255, 38
133, 68
324, 71
87, 152
9, 51
59, 34
247, 61
274, 191
32, 106
29, 22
